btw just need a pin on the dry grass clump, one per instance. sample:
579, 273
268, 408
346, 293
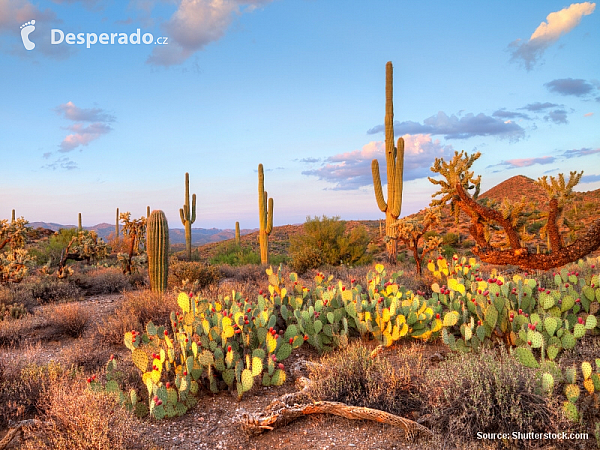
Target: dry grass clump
15, 332
137, 309
487, 393
101, 280
48, 289
192, 274
74, 417
351, 376
249, 273
88, 354
67, 319
22, 382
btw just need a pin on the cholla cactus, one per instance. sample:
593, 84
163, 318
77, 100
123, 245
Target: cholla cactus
14, 266
83, 247
135, 231
410, 231
458, 179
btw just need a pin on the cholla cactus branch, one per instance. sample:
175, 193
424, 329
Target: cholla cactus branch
484, 219
410, 231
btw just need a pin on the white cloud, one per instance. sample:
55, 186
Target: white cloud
82, 135
547, 33
352, 170
195, 24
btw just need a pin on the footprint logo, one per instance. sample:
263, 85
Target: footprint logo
26, 29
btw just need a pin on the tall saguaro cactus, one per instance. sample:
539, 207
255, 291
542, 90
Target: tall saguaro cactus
117, 225
80, 227
13, 216
188, 217
265, 217
394, 157
157, 242
237, 233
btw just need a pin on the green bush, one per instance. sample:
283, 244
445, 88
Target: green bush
52, 249
448, 251
326, 241
450, 239
234, 255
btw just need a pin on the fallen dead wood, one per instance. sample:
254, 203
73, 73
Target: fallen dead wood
16, 430
285, 409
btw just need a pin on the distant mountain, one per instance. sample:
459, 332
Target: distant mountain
200, 236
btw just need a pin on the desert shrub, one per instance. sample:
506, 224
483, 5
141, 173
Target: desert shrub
534, 227
21, 386
67, 319
450, 239
50, 289
351, 376
90, 355
183, 273
77, 418
249, 273
487, 393
137, 309
430, 233
448, 251
101, 280
234, 255
52, 249
326, 241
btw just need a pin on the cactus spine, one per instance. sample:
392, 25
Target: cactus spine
265, 217
117, 225
80, 227
394, 157
157, 235
237, 233
188, 216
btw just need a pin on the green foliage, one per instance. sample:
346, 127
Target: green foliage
326, 241
450, 239
234, 255
50, 252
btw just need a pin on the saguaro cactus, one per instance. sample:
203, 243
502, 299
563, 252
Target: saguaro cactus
13, 216
147, 211
265, 217
157, 242
237, 233
188, 216
80, 227
117, 225
394, 157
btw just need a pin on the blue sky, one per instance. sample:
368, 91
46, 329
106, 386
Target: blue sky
297, 85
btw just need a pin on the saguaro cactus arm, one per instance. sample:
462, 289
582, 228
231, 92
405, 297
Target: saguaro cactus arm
394, 156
